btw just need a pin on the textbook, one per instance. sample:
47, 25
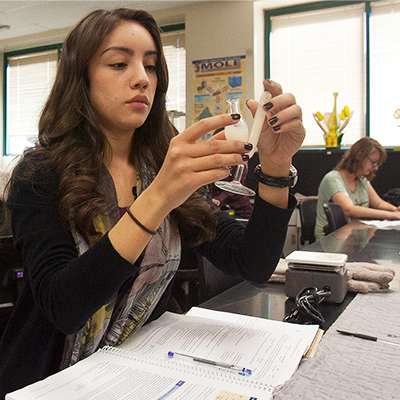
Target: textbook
205, 354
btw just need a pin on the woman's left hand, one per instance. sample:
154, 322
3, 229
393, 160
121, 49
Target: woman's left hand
283, 131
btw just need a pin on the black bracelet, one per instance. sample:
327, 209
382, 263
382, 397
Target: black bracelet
139, 223
281, 182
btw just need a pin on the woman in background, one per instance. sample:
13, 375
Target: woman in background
102, 206
349, 185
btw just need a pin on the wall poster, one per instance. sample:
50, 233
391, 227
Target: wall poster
215, 81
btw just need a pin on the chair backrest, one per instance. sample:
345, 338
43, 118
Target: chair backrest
213, 281
308, 216
11, 273
197, 280
335, 216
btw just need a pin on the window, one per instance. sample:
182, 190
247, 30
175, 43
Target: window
353, 49
175, 55
29, 77
384, 65
316, 53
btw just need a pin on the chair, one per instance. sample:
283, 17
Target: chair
308, 215
197, 280
11, 278
335, 216
11, 272
213, 281
186, 290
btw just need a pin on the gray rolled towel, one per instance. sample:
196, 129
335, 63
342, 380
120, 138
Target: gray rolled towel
363, 277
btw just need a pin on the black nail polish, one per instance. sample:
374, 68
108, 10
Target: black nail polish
248, 146
268, 106
273, 120
276, 128
245, 157
246, 103
235, 117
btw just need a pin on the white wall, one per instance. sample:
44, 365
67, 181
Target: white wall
213, 29
219, 30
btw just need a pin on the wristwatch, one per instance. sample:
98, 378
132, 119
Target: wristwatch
282, 182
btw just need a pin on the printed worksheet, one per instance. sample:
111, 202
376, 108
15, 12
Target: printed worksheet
205, 355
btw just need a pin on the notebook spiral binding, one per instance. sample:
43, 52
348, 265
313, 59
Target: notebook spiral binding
220, 375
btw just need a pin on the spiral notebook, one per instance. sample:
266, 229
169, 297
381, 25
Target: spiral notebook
140, 368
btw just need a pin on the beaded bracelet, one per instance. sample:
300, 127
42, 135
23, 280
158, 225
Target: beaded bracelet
139, 223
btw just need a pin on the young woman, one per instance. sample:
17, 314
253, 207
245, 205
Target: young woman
101, 207
349, 185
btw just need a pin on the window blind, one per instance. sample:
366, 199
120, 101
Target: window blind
384, 65
175, 55
29, 80
316, 53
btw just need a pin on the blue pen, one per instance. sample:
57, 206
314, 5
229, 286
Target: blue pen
242, 370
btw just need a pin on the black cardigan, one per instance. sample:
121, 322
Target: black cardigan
63, 290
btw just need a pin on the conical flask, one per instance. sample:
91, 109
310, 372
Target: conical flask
240, 130
237, 131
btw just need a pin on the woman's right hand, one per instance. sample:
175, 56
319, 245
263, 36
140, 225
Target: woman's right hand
190, 164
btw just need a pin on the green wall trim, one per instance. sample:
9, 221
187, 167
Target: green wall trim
37, 49
268, 25
173, 27
319, 5
367, 36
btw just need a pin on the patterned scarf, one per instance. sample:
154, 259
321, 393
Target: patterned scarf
128, 310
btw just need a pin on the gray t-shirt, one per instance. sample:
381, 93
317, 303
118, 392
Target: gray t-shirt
333, 183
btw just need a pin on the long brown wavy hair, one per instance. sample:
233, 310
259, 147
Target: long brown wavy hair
352, 160
73, 145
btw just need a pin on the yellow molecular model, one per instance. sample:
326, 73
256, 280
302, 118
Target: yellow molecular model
333, 124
